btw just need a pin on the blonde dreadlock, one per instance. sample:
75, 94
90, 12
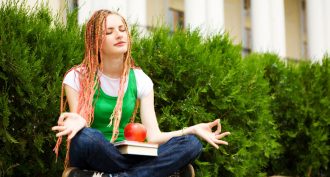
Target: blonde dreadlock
89, 79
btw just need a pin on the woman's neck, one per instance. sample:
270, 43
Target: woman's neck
113, 67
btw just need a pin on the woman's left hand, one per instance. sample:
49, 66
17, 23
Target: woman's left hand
204, 130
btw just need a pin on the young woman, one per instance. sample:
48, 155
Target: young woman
103, 94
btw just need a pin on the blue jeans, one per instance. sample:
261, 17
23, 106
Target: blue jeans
90, 150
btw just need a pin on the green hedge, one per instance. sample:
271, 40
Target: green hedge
300, 106
277, 114
199, 80
35, 51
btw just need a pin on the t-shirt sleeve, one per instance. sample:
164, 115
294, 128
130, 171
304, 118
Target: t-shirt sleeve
72, 79
143, 83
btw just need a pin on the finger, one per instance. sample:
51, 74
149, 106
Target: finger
214, 123
58, 128
62, 133
72, 134
209, 140
62, 117
218, 128
221, 142
222, 135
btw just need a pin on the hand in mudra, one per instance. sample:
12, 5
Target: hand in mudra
204, 130
69, 124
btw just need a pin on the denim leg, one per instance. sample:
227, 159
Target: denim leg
172, 156
90, 150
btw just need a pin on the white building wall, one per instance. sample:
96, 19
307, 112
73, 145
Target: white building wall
277, 18
261, 27
316, 29
268, 19
88, 7
195, 14
215, 16
84, 11
268, 26
206, 15
327, 25
137, 14
57, 7
135, 11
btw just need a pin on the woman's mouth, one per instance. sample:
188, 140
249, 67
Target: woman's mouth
121, 43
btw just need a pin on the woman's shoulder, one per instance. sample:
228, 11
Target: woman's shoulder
139, 72
141, 76
143, 82
71, 77
75, 70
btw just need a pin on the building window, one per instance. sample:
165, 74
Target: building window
176, 19
247, 35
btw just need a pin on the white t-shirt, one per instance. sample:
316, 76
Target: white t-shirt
110, 86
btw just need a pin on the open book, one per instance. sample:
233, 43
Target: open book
137, 148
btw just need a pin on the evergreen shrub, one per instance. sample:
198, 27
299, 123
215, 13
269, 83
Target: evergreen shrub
300, 106
35, 51
198, 80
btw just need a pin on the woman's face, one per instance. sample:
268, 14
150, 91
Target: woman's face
115, 43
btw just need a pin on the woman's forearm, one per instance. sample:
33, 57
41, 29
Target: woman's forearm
163, 137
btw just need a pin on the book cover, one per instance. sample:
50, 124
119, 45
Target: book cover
137, 148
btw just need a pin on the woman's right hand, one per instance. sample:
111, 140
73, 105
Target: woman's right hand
70, 124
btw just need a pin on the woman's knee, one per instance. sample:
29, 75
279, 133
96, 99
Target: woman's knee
85, 137
80, 145
194, 146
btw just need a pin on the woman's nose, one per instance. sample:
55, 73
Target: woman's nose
119, 34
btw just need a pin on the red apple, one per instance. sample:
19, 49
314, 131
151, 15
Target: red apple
135, 132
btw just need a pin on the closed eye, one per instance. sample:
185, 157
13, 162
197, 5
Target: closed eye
110, 30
